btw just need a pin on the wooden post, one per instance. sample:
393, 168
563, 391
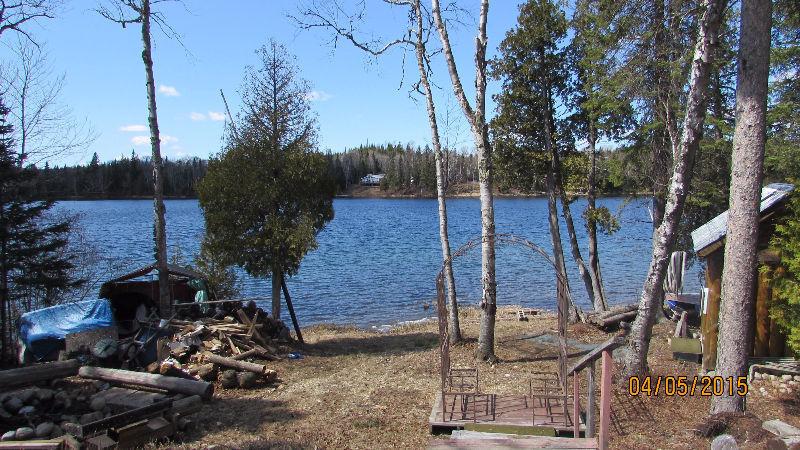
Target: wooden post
777, 340
709, 322
170, 384
763, 294
291, 311
39, 372
576, 405
606, 371
591, 403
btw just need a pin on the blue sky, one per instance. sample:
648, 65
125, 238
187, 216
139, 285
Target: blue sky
358, 99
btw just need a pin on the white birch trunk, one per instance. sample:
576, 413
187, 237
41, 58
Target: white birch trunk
739, 273
666, 234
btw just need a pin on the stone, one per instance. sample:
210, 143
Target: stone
724, 442
69, 418
8, 435
786, 377
780, 428
246, 379
90, 417
787, 443
57, 432
71, 428
63, 400
26, 410
228, 379
13, 404
45, 395
26, 395
24, 433
797, 378
783, 391
98, 404
43, 430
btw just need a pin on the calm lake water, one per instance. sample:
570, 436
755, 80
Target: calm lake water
377, 260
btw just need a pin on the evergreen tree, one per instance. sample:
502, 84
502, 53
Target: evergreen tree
34, 264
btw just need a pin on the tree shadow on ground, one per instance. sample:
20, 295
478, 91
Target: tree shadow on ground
627, 411
245, 415
385, 344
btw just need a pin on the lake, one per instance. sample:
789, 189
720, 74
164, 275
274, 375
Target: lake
378, 258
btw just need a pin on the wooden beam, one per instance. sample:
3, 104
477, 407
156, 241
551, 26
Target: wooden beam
291, 310
608, 345
576, 405
606, 372
591, 403
40, 372
709, 319
171, 384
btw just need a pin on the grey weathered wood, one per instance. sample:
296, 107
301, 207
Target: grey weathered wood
170, 384
780, 428
591, 404
241, 365
40, 372
590, 357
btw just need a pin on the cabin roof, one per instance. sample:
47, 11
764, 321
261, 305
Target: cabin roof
714, 230
172, 269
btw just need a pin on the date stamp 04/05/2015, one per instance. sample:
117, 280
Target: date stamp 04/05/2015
682, 386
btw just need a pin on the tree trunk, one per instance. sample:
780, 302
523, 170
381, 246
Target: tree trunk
160, 228
600, 303
480, 133
739, 271
659, 151
277, 276
666, 234
452, 302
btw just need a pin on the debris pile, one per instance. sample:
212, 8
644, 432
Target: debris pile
615, 317
228, 350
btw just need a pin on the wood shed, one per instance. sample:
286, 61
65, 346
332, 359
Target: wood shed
709, 244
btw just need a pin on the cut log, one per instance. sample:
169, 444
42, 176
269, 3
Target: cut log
40, 372
170, 384
241, 365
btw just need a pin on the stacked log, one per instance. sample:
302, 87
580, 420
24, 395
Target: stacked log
614, 316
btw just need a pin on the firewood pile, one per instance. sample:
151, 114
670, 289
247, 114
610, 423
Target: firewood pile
50, 408
229, 350
615, 317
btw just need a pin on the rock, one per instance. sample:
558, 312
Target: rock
787, 443
57, 432
27, 396
98, 404
207, 372
44, 430
69, 418
71, 428
797, 378
724, 442
26, 410
786, 377
45, 395
246, 379
8, 436
62, 400
4, 414
90, 417
13, 404
783, 390
228, 379
24, 433
780, 428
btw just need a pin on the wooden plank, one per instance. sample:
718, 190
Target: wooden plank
685, 345
763, 295
576, 405
606, 372
542, 442
591, 404
49, 444
709, 319
608, 345
680, 327
127, 417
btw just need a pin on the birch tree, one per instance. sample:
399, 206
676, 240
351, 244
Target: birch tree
665, 236
418, 33
738, 273
476, 116
126, 12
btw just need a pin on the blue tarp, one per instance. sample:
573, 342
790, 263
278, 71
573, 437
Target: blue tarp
43, 331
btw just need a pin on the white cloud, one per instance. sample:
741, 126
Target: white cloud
169, 91
318, 96
133, 128
216, 116
145, 140
196, 116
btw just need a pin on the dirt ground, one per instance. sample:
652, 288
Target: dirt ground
363, 389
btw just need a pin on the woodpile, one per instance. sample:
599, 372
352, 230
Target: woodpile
223, 349
614, 317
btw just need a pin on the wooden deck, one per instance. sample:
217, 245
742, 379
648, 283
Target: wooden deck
516, 411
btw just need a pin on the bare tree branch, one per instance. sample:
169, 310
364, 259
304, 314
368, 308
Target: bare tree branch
13, 16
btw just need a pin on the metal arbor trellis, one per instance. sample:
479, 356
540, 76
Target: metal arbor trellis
562, 293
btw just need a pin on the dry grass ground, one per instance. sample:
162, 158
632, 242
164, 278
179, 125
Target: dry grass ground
362, 389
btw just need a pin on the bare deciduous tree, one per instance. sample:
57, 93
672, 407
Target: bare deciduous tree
666, 233
417, 37
738, 273
15, 14
44, 128
126, 12
476, 116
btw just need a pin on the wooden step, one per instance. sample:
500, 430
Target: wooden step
474, 439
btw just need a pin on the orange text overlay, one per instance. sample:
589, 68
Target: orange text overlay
681, 386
